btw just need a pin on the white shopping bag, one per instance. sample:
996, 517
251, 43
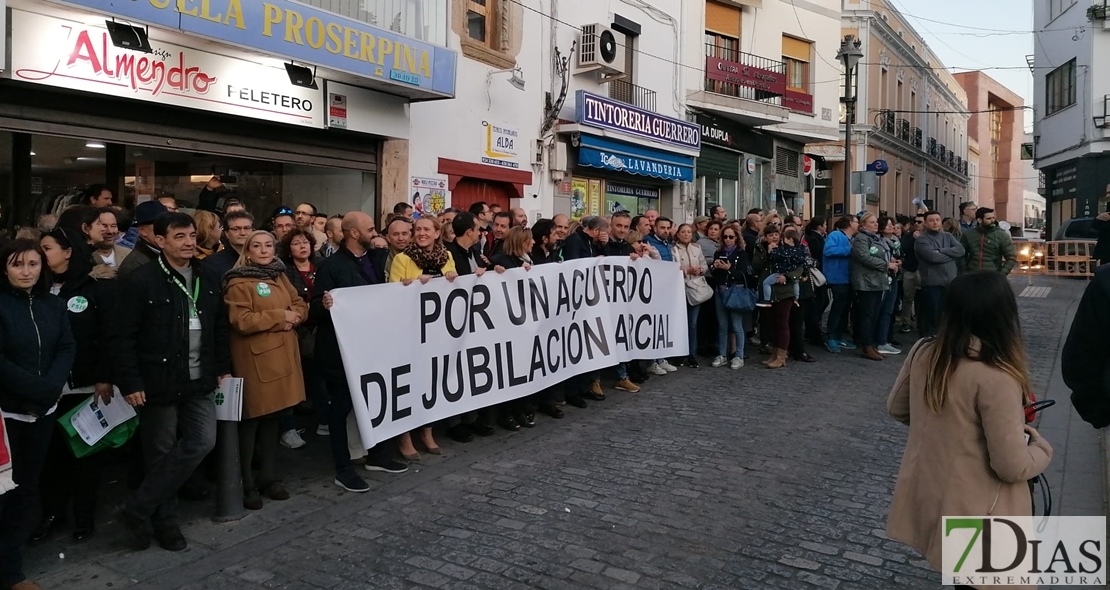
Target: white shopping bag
229, 400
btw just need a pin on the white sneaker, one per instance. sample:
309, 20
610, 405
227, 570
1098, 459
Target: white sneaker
290, 439
718, 362
655, 369
887, 349
736, 363
323, 430
668, 367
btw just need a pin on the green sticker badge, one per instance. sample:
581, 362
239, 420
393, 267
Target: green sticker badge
874, 250
77, 304
263, 290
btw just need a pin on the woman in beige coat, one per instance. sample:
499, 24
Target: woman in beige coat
264, 309
963, 396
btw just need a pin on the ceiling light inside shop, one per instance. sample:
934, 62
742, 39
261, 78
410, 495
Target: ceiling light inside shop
88, 159
96, 145
32, 153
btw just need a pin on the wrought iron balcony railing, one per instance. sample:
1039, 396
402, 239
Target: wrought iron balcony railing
629, 93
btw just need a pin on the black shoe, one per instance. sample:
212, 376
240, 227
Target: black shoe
170, 539
193, 492
597, 397
482, 429
527, 420
252, 500
576, 401
508, 423
460, 433
551, 410
83, 532
47, 527
692, 362
136, 527
386, 466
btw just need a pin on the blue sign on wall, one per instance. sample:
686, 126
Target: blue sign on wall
299, 32
618, 156
605, 113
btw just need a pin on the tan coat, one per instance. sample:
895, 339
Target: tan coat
970, 459
263, 352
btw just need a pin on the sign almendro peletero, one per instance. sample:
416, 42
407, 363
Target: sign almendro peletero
605, 113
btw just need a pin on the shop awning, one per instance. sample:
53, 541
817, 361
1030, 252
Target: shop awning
632, 159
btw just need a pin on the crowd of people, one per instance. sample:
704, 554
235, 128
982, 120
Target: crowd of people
155, 308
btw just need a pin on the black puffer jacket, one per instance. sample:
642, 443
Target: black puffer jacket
36, 350
1084, 362
91, 301
152, 333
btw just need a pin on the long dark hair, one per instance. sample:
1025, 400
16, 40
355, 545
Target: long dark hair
80, 257
977, 305
77, 217
13, 250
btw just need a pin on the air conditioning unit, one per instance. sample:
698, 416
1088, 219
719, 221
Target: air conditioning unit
600, 49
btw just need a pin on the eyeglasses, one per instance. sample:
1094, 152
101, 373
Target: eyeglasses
729, 237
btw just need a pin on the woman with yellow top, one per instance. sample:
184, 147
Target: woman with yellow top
426, 258
209, 232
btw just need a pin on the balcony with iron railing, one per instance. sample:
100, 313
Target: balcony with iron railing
743, 75
942, 152
932, 149
915, 137
629, 93
886, 122
902, 127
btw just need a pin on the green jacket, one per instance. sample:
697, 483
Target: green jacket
870, 257
992, 249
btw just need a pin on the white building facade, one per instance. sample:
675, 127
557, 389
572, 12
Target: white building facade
1071, 128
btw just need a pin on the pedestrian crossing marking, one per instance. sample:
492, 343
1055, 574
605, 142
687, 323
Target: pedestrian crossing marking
1036, 292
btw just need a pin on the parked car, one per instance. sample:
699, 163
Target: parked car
1030, 253
1078, 229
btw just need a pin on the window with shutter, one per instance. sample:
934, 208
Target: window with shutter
722, 19
786, 162
796, 55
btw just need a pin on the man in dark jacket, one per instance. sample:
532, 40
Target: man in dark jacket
1085, 368
589, 240
146, 250
620, 225
171, 353
815, 239
238, 226
1101, 225
356, 263
910, 279
468, 261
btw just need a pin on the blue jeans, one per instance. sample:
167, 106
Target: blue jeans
170, 458
868, 304
929, 301
770, 282
692, 321
729, 321
885, 322
838, 312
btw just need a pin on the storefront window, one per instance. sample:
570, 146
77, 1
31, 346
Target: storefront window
728, 197
63, 167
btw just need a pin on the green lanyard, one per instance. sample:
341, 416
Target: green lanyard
196, 288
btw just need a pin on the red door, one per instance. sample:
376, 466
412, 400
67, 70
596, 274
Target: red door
470, 191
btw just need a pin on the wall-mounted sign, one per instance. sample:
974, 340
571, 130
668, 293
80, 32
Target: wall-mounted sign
731, 72
807, 165
301, 32
633, 159
429, 196
337, 110
500, 145
750, 166
730, 135
799, 101
70, 55
605, 113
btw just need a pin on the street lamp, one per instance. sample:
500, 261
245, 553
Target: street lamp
849, 55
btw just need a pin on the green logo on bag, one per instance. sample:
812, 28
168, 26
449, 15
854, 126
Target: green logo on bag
77, 304
218, 398
263, 290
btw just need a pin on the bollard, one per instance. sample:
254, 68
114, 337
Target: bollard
229, 480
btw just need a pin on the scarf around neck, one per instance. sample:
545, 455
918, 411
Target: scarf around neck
429, 261
268, 272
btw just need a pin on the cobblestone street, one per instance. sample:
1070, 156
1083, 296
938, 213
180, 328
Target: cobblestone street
708, 478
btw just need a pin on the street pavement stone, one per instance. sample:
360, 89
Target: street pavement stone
708, 478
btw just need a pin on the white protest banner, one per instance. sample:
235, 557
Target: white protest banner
417, 354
